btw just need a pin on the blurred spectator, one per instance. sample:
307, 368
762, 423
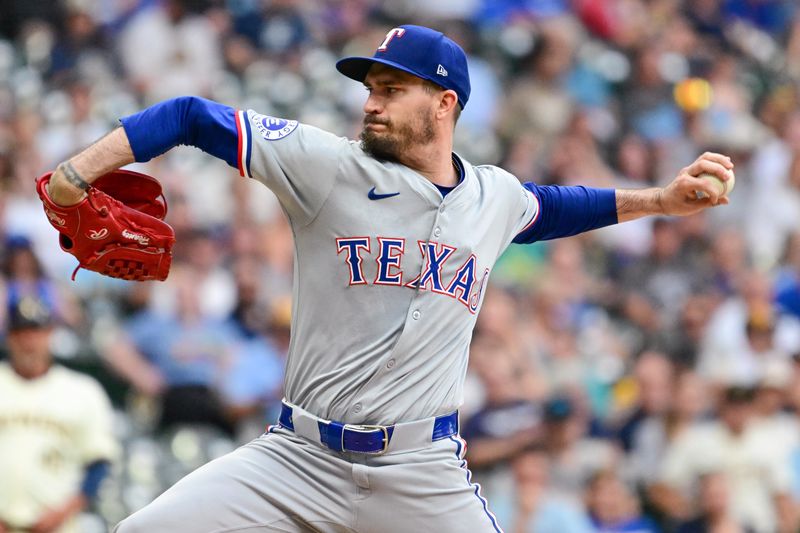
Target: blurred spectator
656, 433
682, 342
613, 507
771, 15
653, 376
73, 125
571, 339
635, 166
540, 508
745, 332
787, 282
775, 198
714, 508
250, 313
483, 78
648, 107
771, 402
497, 328
17, 12
56, 442
538, 104
278, 27
574, 456
661, 281
178, 357
80, 41
168, 51
24, 276
730, 263
252, 384
508, 421
790, 425
214, 285
745, 453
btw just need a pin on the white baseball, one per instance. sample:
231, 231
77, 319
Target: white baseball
723, 187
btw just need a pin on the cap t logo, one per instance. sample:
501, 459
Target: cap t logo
394, 32
441, 71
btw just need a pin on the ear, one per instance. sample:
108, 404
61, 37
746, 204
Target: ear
447, 102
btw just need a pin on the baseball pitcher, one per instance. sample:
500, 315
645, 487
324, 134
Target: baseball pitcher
395, 239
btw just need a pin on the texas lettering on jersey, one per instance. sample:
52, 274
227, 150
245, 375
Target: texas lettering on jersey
464, 285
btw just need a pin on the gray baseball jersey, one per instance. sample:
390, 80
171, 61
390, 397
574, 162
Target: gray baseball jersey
389, 276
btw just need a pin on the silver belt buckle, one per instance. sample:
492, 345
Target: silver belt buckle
366, 428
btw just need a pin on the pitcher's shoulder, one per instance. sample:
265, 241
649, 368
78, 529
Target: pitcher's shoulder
492, 176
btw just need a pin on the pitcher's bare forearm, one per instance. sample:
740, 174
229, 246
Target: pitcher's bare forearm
636, 203
109, 153
680, 197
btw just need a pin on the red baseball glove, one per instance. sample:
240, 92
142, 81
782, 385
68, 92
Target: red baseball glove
118, 229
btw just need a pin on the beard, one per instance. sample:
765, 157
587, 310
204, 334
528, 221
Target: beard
391, 143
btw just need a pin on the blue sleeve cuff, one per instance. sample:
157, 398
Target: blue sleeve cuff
188, 120
95, 474
566, 211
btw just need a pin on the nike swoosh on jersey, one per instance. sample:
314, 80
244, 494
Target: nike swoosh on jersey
372, 195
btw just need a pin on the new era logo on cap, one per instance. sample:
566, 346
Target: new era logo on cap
420, 51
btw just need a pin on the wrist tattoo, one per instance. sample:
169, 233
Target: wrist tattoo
73, 177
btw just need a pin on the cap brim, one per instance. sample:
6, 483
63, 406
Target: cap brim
356, 68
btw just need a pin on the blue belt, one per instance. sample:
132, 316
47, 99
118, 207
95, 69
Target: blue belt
341, 437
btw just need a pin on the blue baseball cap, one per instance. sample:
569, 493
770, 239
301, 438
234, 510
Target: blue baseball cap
423, 52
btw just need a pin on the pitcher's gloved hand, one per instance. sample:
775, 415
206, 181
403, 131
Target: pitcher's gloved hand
117, 229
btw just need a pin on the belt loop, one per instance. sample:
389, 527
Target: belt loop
331, 433
444, 426
285, 418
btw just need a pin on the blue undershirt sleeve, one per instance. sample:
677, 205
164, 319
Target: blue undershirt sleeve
188, 120
95, 473
565, 211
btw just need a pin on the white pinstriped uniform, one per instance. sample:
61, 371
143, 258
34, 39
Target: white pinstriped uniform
50, 429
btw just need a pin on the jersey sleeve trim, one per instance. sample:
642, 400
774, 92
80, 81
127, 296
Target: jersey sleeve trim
535, 216
245, 145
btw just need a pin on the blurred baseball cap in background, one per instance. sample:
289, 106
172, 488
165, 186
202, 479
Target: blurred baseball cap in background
423, 52
738, 395
27, 312
558, 408
18, 242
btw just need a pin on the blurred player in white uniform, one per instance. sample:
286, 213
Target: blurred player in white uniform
56, 443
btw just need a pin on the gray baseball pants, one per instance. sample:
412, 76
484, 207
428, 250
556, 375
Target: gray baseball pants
283, 482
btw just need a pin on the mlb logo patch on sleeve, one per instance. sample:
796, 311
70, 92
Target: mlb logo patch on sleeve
273, 128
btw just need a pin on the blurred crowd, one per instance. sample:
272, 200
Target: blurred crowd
643, 377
